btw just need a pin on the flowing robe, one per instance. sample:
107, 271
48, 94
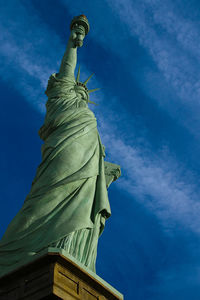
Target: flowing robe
68, 203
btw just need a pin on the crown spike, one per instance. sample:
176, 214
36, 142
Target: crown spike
78, 74
88, 78
93, 90
89, 101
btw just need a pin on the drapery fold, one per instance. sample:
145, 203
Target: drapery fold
69, 190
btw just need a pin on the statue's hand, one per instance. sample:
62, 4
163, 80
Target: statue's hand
77, 35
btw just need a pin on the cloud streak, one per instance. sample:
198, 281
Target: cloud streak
156, 181
25, 52
175, 54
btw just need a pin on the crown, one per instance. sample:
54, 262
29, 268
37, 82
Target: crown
83, 84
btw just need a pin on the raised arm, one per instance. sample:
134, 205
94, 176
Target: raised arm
79, 28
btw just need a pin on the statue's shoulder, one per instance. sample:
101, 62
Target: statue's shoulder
57, 82
57, 78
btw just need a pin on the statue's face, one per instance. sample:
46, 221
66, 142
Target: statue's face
78, 34
81, 93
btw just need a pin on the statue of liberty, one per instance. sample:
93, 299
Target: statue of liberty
68, 202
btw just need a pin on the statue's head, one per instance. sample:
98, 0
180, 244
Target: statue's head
82, 90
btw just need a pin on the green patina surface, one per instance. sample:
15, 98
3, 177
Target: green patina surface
68, 203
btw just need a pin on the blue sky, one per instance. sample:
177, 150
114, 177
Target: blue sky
146, 58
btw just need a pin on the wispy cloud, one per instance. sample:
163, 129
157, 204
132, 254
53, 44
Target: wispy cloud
174, 63
25, 44
184, 29
175, 53
159, 182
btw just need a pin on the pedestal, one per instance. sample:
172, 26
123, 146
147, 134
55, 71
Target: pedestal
52, 274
